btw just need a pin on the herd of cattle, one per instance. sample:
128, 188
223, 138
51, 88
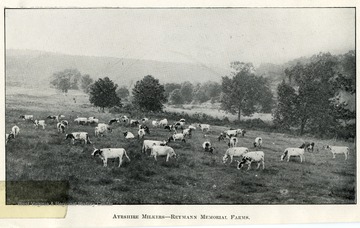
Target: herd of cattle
160, 147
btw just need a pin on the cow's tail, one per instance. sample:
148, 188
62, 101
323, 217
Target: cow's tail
126, 155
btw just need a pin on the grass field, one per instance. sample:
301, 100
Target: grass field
43, 168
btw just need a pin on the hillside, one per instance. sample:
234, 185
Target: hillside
28, 68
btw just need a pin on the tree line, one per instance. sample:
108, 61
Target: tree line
307, 99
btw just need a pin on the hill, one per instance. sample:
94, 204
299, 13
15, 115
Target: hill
34, 68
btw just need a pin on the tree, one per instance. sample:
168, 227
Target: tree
65, 80
186, 91
242, 93
149, 94
176, 97
169, 87
123, 93
285, 114
103, 94
86, 81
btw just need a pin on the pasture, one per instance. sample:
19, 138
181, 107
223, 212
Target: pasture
41, 159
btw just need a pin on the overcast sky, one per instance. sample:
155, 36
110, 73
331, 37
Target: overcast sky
206, 36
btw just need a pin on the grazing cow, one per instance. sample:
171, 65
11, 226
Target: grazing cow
205, 127
221, 137
308, 146
107, 153
41, 123
134, 123
162, 151
57, 118
15, 130
163, 122
101, 129
129, 135
146, 128
250, 157
114, 120
125, 119
295, 152
207, 147
8, 137
81, 120
80, 136
234, 152
144, 120
155, 123
148, 144
258, 142
93, 120
338, 150
177, 136
27, 117
233, 141
60, 127
141, 133
187, 132
170, 127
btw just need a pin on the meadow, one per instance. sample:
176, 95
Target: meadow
43, 168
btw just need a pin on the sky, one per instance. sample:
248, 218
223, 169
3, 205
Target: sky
203, 36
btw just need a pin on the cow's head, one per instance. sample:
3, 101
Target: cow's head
96, 152
245, 160
69, 136
171, 138
125, 134
163, 143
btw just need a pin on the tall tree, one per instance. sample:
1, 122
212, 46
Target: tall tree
149, 94
186, 91
176, 97
123, 93
86, 81
241, 93
285, 114
65, 80
103, 94
169, 87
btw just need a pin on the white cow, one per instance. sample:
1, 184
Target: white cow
163, 122
129, 135
295, 152
60, 127
250, 157
148, 144
162, 151
80, 136
15, 130
233, 141
81, 120
207, 147
234, 152
141, 133
177, 136
155, 123
338, 150
205, 127
107, 153
41, 123
258, 142
27, 117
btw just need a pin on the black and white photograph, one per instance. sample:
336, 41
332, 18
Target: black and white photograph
191, 106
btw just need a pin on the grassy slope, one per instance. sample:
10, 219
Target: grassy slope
194, 178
